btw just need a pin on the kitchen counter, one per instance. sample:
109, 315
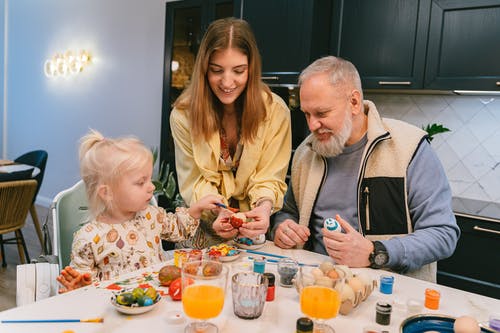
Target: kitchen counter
489, 210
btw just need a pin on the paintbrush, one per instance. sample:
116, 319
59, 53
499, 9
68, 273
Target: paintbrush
26, 321
234, 210
264, 253
274, 261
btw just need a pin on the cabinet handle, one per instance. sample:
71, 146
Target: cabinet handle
275, 78
498, 83
486, 230
394, 83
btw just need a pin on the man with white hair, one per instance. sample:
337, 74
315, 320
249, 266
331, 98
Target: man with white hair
379, 178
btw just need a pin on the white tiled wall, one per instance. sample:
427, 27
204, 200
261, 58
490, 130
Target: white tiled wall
470, 153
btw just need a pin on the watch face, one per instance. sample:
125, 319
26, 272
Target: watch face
380, 259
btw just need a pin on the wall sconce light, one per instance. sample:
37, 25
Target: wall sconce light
175, 66
66, 64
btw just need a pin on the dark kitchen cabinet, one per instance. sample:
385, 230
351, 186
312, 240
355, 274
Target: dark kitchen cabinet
464, 45
474, 265
425, 44
385, 40
185, 24
290, 34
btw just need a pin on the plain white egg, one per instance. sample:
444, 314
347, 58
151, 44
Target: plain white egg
466, 324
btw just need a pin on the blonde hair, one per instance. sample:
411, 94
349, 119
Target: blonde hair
199, 100
341, 72
103, 161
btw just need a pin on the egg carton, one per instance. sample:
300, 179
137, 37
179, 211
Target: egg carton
353, 292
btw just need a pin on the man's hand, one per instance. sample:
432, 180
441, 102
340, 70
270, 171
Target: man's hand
349, 248
290, 234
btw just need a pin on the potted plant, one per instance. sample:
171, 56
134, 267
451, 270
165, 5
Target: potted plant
433, 129
166, 185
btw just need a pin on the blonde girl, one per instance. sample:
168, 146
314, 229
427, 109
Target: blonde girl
125, 231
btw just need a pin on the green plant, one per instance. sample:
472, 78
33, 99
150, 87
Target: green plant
433, 129
166, 185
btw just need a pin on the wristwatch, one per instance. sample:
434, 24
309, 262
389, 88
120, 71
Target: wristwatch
379, 257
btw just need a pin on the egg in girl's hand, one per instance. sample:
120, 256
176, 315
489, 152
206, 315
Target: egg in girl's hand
466, 324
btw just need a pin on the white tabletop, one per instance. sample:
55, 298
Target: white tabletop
279, 315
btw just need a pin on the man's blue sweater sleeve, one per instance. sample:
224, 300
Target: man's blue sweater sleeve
435, 232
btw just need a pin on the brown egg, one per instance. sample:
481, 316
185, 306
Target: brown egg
332, 274
346, 307
356, 284
466, 324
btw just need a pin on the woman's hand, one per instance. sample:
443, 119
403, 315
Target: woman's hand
260, 223
72, 279
222, 226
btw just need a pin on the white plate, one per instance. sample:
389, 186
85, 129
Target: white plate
133, 310
258, 242
15, 167
249, 247
230, 258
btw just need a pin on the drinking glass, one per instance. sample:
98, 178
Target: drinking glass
249, 294
319, 302
203, 290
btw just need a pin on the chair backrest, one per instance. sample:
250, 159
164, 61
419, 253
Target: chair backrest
15, 201
69, 213
37, 158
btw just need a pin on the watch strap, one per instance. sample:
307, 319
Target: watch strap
378, 250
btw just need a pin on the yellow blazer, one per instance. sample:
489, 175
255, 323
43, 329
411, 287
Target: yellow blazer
262, 168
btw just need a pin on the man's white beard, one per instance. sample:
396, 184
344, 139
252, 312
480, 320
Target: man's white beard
336, 143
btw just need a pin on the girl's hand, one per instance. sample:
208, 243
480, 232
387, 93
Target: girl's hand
208, 202
222, 226
260, 223
72, 279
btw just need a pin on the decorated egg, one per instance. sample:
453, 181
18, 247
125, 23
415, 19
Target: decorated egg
332, 224
466, 324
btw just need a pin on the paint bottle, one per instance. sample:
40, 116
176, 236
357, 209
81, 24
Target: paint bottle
432, 299
386, 283
304, 325
271, 289
383, 313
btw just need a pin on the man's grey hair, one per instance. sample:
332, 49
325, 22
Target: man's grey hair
341, 72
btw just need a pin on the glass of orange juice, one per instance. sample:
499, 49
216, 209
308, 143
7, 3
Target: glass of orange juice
203, 290
319, 301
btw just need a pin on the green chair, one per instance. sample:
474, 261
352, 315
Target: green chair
69, 213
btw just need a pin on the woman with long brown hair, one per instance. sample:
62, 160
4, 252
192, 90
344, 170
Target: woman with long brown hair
232, 134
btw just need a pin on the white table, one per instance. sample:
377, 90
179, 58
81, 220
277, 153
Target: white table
19, 167
279, 315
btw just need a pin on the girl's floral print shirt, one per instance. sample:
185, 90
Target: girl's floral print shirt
109, 250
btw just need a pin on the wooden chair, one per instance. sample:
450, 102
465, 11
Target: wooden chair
37, 158
16, 198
